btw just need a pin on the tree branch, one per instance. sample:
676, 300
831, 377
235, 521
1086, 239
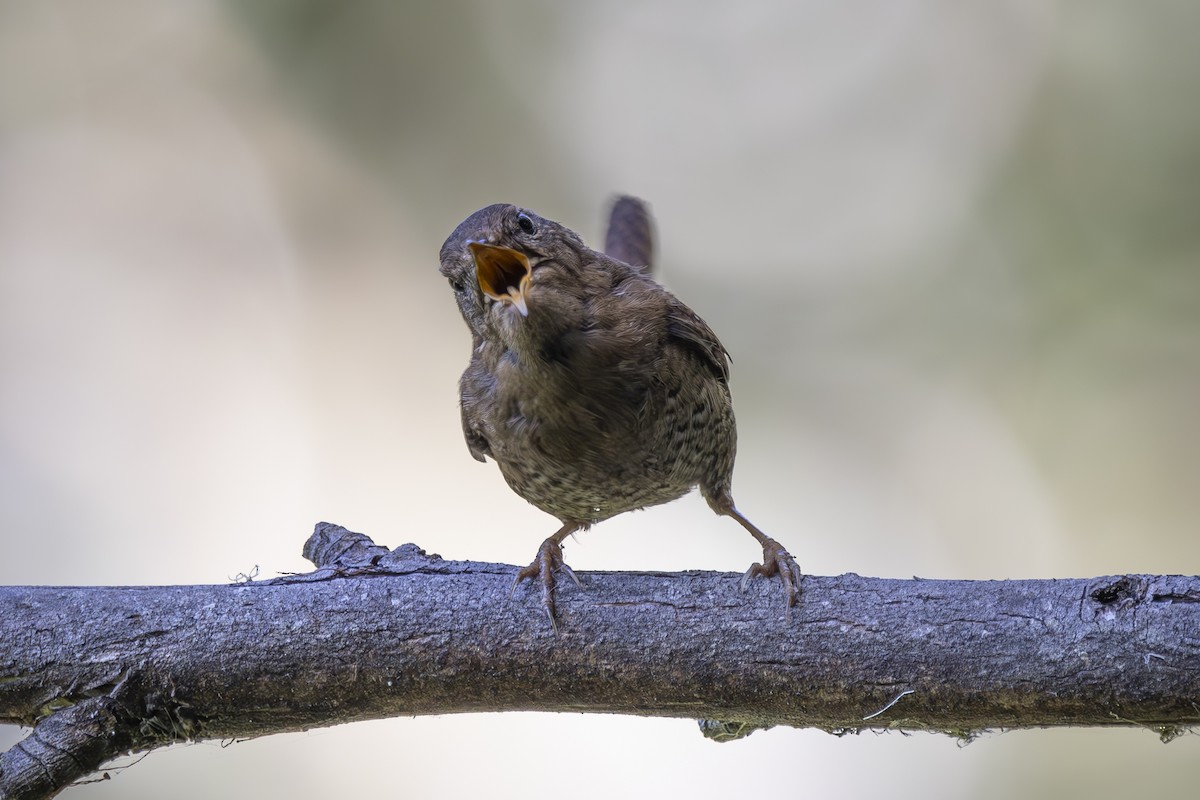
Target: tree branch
376, 633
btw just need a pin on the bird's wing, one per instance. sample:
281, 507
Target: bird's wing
470, 392
477, 443
686, 327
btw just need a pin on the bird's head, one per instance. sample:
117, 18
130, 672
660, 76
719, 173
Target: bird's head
506, 264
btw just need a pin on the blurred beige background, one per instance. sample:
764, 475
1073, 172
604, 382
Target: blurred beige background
953, 247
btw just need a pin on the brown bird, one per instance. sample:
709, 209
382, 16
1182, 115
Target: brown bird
595, 390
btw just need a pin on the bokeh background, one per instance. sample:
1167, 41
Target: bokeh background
953, 247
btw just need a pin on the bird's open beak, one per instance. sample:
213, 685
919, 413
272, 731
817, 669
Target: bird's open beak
503, 273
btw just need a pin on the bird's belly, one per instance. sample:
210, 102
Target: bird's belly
582, 490
585, 454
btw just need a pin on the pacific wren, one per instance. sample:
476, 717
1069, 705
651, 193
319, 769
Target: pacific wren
595, 390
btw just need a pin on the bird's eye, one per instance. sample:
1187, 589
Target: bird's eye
525, 223
456, 285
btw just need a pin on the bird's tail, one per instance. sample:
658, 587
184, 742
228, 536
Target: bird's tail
630, 236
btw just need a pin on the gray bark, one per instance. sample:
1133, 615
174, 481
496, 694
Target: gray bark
373, 633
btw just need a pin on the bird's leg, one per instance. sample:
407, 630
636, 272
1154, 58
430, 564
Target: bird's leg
776, 559
550, 559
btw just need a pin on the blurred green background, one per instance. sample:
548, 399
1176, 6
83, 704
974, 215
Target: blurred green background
953, 247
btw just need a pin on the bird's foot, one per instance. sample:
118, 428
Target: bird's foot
549, 560
777, 561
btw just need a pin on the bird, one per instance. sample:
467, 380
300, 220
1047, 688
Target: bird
594, 389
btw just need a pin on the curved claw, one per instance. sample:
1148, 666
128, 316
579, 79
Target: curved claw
549, 560
776, 561
570, 573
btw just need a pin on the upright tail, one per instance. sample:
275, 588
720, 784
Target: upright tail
630, 236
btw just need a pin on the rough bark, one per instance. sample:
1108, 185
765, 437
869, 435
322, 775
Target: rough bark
373, 633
